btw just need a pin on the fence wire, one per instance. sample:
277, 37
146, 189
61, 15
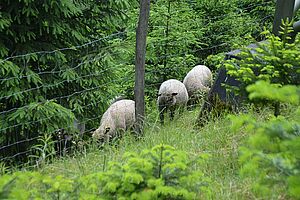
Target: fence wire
63, 49
107, 97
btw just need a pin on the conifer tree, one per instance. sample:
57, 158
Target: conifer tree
54, 64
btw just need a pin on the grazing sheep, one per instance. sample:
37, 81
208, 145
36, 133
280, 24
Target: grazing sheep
117, 98
172, 94
120, 116
197, 81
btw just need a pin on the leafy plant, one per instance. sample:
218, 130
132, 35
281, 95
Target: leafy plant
272, 153
265, 90
44, 150
174, 29
183, 34
159, 173
57, 62
261, 11
275, 60
3, 168
226, 24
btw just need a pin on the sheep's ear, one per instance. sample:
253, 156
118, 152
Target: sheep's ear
107, 129
174, 93
159, 95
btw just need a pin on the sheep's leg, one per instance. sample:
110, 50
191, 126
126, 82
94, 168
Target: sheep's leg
119, 133
161, 110
189, 104
172, 112
192, 102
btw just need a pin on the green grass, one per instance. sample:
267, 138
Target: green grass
215, 138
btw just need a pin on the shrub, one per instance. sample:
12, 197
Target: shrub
159, 173
48, 77
272, 153
275, 60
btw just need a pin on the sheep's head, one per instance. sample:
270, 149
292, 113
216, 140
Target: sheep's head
103, 133
167, 100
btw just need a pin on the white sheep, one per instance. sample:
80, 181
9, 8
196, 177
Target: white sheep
197, 81
172, 94
119, 117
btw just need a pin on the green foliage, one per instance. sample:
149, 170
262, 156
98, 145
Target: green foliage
225, 25
271, 154
215, 61
264, 90
182, 34
46, 115
262, 11
230, 24
57, 64
175, 29
3, 168
274, 60
28, 185
159, 173
173, 32
44, 150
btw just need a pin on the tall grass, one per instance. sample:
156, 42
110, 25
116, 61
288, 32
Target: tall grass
215, 138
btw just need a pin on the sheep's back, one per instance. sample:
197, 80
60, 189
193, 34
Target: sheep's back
123, 113
174, 86
198, 79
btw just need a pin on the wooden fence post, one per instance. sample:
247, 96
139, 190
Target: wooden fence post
284, 9
141, 35
297, 5
296, 25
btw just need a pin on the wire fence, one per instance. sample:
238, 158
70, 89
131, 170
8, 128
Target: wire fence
64, 49
14, 142
21, 130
